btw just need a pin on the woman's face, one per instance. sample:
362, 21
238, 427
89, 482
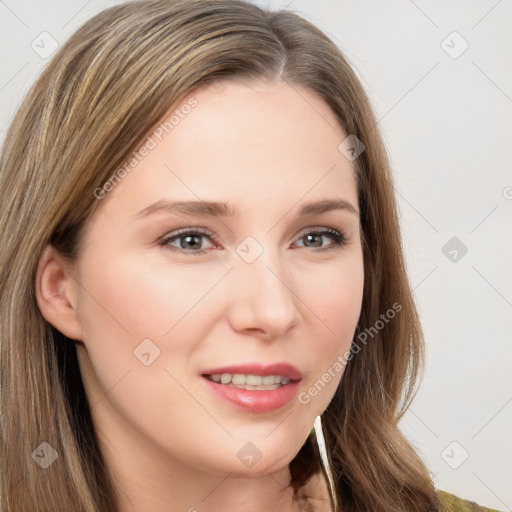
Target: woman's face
160, 310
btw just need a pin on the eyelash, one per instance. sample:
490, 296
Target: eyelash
338, 238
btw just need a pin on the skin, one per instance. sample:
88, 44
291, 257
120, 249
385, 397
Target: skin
170, 443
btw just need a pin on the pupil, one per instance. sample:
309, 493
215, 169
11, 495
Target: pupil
192, 246
319, 239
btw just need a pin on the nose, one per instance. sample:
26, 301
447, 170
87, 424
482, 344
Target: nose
262, 298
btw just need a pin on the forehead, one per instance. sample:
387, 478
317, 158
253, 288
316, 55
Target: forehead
252, 145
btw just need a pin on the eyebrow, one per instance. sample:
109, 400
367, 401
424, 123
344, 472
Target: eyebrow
219, 209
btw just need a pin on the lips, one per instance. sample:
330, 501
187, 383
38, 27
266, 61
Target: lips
254, 399
284, 369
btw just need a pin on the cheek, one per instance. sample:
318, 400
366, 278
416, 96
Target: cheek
136, 298
142, 317
337, 305
139, 338
335, 297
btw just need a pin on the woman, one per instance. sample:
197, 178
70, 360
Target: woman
169, 337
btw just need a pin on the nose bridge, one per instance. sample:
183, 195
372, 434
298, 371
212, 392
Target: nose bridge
263, 290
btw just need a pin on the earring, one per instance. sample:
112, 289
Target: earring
320, 440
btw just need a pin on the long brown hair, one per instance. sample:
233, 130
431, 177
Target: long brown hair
91, 108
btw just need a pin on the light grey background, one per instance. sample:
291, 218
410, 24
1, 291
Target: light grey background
446, 118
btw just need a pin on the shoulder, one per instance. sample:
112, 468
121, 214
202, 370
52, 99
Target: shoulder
451, 503
318, 498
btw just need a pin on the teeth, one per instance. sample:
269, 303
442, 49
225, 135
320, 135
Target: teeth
268, 379
238, 379
256, 388
251, 381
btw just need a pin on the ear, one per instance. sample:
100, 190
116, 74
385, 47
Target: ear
56, 293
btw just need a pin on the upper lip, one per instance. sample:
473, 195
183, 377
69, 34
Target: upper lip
284, 369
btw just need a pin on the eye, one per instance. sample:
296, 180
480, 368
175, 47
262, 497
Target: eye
191, 239
188, 239
315, 237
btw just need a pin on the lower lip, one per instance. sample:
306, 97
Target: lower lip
255, 401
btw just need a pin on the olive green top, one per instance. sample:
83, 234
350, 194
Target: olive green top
451, 503
317, 495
